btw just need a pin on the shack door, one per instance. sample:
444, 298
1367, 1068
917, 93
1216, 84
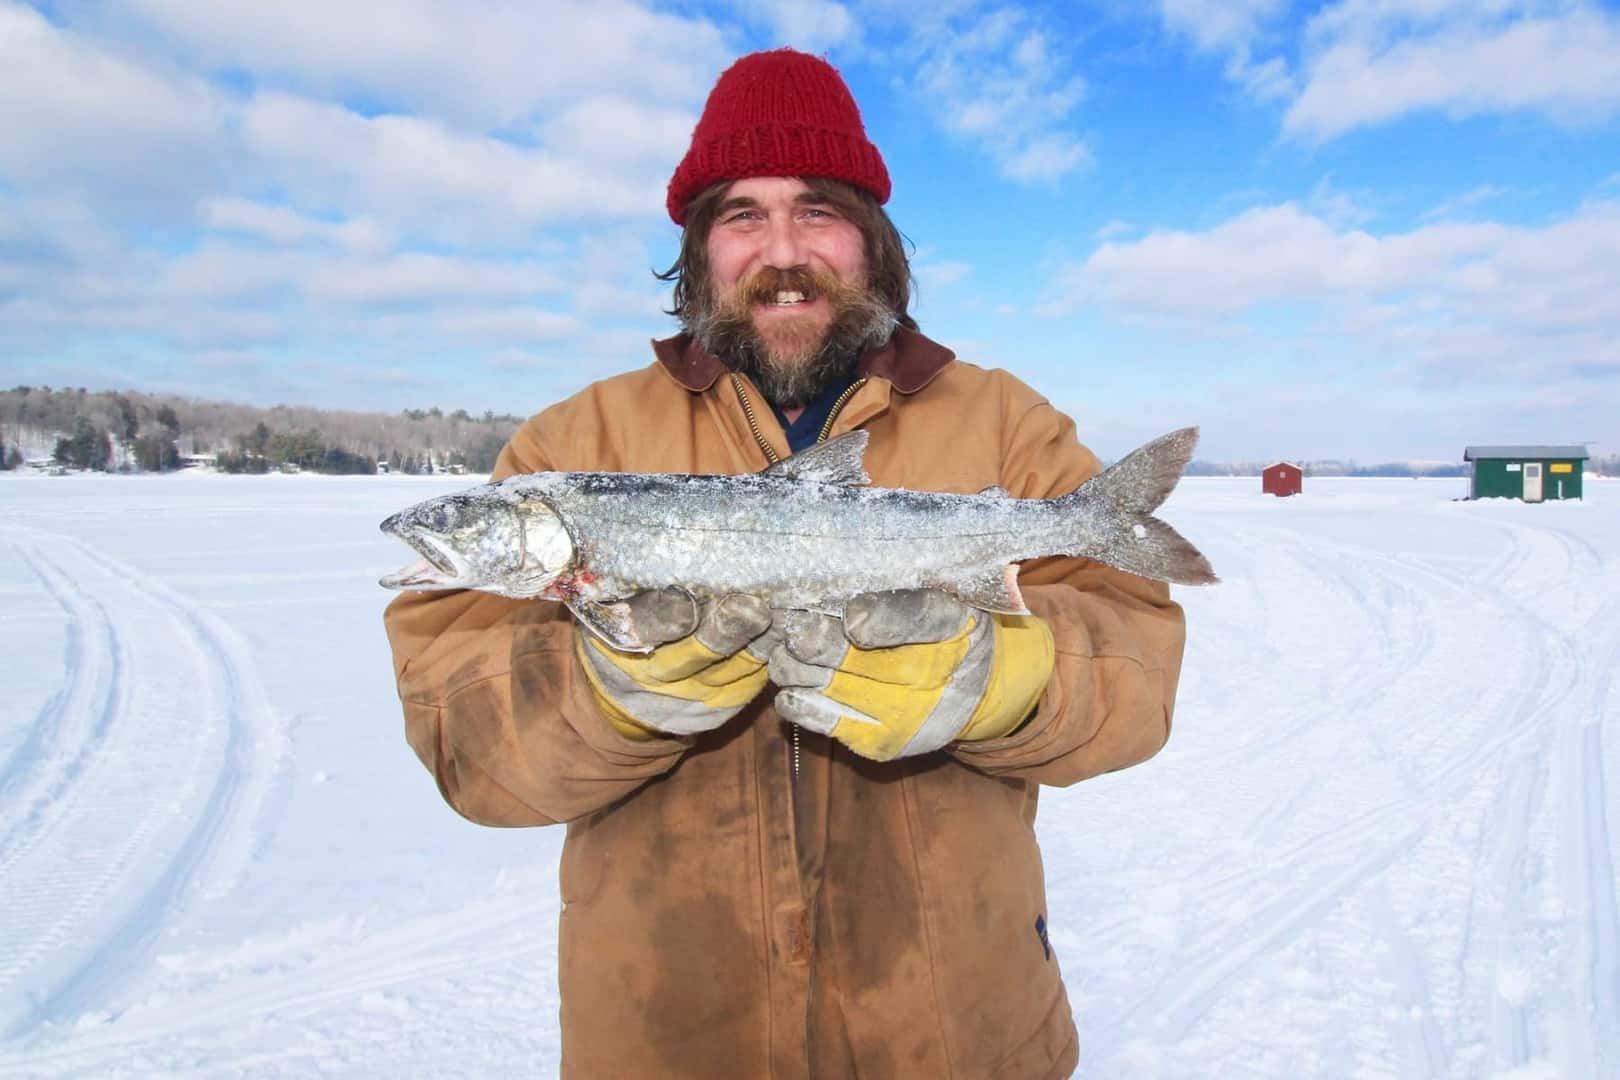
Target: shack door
1532, 481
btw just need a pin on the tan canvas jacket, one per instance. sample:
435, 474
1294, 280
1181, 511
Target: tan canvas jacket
724, 916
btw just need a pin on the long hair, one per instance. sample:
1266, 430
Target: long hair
888, 270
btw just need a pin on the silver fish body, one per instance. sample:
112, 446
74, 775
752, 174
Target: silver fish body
806, 533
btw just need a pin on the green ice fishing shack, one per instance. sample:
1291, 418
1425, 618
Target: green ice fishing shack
1531, 473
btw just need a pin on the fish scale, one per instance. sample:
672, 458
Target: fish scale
805, 546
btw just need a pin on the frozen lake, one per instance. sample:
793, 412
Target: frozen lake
1381, 841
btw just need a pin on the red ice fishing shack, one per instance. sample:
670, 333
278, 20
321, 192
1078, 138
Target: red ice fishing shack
1282, 478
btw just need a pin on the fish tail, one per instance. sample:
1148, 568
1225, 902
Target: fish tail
1124, 497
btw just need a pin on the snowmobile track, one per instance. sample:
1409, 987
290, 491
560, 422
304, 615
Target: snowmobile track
135, 791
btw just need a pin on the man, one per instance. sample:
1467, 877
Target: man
802, 848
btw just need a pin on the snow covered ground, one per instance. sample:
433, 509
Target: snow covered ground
1381, 842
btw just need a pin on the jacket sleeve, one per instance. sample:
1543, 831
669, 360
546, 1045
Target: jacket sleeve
496, 707
1119, 637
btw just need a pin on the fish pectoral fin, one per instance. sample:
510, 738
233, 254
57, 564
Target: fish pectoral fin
995, 591
996, 491
613, 623
836, 461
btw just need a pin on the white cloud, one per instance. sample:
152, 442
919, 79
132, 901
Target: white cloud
1476, 298
419, 278
1219, 24
234, 361
144, 140
81, 117
215, 273
619, 131
941, 273
999, 82
1461, 205
1371, 62
480, 63
808, 25
1045, 157
1233, 29
1337, 206
515, 323
419, 170
287, 227
409, 182
41, 233
517, 360
607, 298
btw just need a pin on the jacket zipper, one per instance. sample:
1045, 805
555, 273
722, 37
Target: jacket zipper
773, 457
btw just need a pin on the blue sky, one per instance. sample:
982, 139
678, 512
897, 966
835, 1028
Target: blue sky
1369, 229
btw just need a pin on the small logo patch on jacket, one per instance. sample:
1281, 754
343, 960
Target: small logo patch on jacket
1040, 932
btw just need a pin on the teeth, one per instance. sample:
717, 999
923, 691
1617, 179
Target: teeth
788, 297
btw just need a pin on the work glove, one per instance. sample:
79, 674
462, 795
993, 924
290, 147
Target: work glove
909, 671
700, 674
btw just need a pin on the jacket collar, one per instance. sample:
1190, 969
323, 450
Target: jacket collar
909, 360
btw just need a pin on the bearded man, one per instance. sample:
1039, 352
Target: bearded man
798, 846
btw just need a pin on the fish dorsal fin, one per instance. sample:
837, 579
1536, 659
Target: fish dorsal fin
993, 590
836, 461
996, 491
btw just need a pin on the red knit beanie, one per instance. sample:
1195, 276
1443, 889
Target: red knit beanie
778, 113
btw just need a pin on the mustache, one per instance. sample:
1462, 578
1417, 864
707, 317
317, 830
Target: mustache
763, 285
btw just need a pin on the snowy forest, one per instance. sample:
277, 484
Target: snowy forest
128, 431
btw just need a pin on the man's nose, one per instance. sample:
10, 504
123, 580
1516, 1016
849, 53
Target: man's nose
784, 245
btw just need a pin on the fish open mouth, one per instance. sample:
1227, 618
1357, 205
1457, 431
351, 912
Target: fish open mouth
436, 566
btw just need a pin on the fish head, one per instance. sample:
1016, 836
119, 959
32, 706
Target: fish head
481, 539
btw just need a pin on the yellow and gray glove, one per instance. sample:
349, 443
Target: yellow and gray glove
700, 675
907, 672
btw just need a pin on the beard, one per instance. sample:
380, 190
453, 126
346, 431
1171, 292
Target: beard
793, 361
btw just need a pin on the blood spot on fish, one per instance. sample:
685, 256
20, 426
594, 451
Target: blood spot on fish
567, 587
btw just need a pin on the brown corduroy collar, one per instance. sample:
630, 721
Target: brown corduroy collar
909, 361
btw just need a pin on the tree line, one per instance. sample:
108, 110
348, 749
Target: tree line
1596, 465
1328, 468
129, 431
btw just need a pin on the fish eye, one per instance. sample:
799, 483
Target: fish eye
443, 517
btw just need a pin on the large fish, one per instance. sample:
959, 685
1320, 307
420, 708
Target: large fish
808, 533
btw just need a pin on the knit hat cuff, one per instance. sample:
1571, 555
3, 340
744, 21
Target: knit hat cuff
777, 149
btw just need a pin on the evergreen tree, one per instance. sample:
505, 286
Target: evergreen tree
156, 453
87, 448
481, 457
129, 422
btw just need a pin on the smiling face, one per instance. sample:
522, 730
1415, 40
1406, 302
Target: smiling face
776, 227
785, 298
